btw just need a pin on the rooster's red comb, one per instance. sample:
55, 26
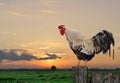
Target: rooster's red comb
60, 26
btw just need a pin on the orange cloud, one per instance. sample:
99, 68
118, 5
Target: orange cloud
14, 13
48, 11
1, 4
44, 47
8, 33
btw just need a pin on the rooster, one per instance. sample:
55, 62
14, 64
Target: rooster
85, 49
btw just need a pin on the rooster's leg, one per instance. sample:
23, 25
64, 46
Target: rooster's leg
85, 63
78, 63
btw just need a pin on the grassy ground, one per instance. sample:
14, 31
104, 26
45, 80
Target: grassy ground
42, 76
35, 76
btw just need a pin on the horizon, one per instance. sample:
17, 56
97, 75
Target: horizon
57, 68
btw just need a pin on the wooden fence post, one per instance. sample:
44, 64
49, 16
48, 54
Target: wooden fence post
79, 74
96, 77
111, 78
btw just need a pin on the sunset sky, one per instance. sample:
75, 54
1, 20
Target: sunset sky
29, 37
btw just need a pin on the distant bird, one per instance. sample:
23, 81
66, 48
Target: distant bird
85, 49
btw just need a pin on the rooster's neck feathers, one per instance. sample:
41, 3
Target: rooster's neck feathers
73, 35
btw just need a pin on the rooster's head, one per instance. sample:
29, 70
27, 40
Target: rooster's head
62, 29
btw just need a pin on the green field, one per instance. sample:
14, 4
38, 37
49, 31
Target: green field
35, 76
42, 76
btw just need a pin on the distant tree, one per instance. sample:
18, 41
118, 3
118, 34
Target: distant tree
117, 68
53, 67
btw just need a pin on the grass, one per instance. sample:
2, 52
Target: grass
35, 76
42, 76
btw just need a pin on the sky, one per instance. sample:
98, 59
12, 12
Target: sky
29, 37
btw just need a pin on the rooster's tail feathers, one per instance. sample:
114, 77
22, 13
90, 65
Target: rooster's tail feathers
103, 40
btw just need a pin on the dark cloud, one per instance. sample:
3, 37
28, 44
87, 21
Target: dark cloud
13, 56
20, 50
49, 56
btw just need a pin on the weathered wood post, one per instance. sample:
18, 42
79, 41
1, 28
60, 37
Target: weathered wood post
79, 74
111, 78
96, 77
